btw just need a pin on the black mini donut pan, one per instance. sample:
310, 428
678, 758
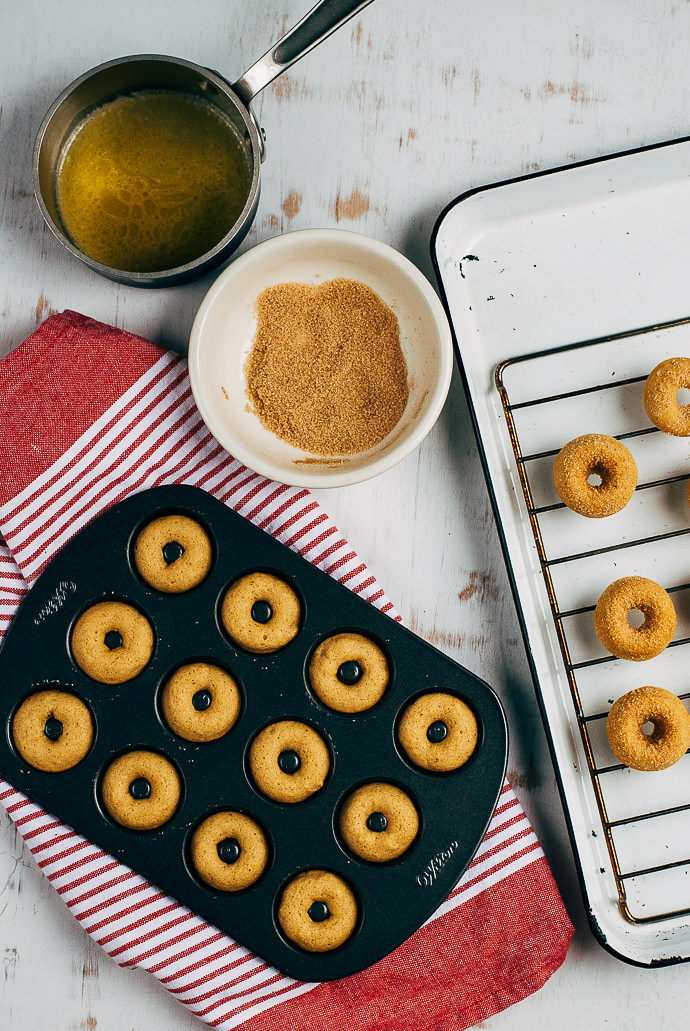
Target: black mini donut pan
395, 898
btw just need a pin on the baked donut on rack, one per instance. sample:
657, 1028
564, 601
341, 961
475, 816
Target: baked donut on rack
629, 594
595, 457
660, 400
669, 738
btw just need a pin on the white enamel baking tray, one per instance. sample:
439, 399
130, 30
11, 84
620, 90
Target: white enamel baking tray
564, 290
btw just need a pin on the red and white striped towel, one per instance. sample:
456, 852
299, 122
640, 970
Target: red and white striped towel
88, 415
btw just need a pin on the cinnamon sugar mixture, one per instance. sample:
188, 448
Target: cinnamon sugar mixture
326, 372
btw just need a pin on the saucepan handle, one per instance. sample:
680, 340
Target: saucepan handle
317, 24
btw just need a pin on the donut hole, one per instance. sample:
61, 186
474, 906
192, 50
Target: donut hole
202, 700
140, 788
261, 611
597, 476
53, 728
683, 397
229, 850
172, 551
112, 640
655, 729
289, 762
637, 618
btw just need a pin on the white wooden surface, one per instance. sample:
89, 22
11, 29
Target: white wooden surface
376, 131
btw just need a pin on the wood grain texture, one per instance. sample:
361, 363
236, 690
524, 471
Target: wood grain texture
376, 131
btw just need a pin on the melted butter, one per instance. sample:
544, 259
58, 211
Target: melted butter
151, 181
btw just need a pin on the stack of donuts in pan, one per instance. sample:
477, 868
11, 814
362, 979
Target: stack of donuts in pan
595, 475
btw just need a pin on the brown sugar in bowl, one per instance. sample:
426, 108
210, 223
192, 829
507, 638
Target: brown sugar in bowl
225, 327
326, 372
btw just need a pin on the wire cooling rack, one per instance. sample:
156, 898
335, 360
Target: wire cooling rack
548, 398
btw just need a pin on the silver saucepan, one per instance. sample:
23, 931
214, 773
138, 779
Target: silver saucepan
153, 72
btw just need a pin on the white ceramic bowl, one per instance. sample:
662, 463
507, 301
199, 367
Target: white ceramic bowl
223, 333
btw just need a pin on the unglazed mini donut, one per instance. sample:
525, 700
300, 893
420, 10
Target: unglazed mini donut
112, 642
317, 911
261, 612
229, 851
626, 595
659, 396
141, 790
289, 761
348, 672
602, 457
669, 739
438, 732
200, 702
379, 822
52, 730
173, 554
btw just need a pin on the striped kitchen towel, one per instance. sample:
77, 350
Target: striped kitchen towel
88, 415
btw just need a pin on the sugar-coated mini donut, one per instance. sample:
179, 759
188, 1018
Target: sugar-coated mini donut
229, 851
348, 672
261, 612
659, 396
289, 761
379, 822
52, 730
635, 593
141, 790
173, 554
317, 911
603, 458
112, 642
438, 732
200, 702
670, 736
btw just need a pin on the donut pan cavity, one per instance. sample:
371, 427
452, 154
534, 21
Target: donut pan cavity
454, 808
